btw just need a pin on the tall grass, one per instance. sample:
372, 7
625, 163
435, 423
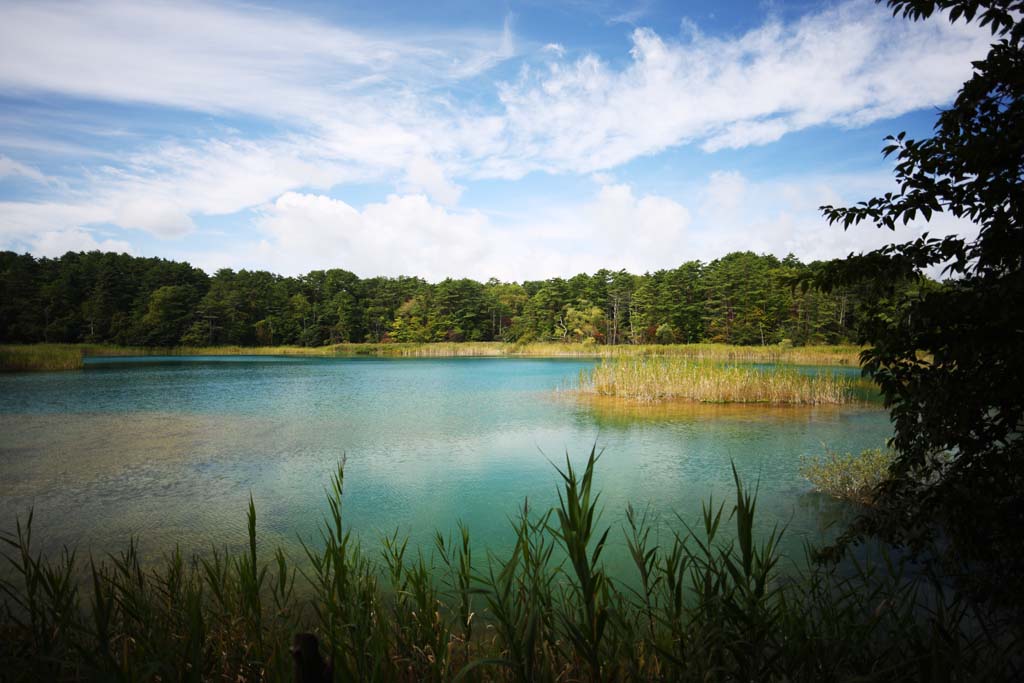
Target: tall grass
439, 349
702, 605
778, 354
672, 378
39, 357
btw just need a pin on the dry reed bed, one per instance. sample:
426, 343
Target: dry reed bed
803, 355
33, 357
669, 378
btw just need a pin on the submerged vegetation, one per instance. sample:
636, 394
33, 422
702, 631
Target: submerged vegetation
680, 378
855, 478
702, 602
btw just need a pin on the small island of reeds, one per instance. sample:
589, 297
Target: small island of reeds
682, 378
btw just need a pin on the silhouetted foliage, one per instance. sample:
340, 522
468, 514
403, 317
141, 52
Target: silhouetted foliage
950, 361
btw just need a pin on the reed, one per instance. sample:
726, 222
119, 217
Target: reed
706, 603
61, 356
776, 354
40, 357
676, 378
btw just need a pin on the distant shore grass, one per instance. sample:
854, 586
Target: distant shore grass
681, 378
28, 358
68, 356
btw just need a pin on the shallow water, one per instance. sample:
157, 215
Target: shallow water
169, 449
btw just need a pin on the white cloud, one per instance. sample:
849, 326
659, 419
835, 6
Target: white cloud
848, 65
630, 223
410, 235
11, 168
164, 218
782, 216
428, 176
22, 222
384, 101
405, 235
58, 242
221, 58
159, 191
614, 228
350, 106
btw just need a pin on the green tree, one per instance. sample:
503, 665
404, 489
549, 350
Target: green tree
950, 360
504, 302
169, 315
583, 322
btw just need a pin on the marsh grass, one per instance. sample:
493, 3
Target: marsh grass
680, 378
703, 605
854, 478
39, 357
779, 354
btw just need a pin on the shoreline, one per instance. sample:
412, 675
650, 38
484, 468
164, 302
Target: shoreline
49, 357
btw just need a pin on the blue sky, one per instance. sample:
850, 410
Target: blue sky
511, 139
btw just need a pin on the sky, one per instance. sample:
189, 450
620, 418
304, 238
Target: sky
517, 139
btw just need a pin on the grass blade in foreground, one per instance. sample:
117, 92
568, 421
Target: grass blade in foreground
710, 605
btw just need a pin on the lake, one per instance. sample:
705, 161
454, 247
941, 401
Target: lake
169, 449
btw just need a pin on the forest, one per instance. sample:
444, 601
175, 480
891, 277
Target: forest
741, 298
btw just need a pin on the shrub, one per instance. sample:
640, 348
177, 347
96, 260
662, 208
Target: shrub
848, 477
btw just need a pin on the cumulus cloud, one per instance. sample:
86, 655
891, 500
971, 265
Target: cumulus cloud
428, 176
412, 235
58, 242
631, 223
404, 235
782, 216
615, 227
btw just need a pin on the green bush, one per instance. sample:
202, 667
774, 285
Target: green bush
854, 478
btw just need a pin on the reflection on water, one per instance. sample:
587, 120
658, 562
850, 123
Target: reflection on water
616, 410
169, 451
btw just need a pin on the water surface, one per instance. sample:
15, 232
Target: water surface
169, 449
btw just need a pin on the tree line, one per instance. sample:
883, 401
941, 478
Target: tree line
95, 297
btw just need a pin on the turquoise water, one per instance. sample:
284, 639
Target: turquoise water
169, 449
